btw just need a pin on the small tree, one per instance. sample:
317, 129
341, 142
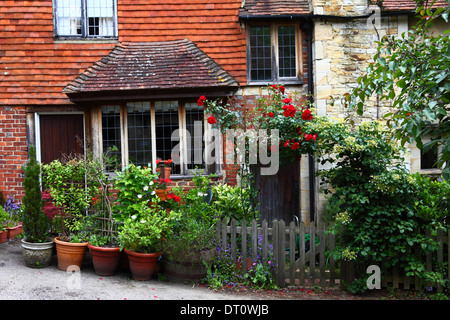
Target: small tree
412, 72
34, 222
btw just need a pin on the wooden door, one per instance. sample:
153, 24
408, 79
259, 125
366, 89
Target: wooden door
61, 134
279, 196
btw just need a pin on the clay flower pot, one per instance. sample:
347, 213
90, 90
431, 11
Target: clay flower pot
105, 260
3, 236
69, 254
14, 231
162, 193
167, 171
142, 265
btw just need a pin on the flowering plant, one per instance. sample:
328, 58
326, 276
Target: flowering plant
290, 114
161, 183
145, 231
167, 163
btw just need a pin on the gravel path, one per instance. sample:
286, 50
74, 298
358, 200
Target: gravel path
18, 282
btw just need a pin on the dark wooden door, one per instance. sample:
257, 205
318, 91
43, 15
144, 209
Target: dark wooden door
61, 135
279, 196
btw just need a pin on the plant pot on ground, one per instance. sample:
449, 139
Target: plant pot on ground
141, 237
190, 246
37, 247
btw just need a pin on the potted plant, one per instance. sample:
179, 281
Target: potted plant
190, 246
167, 165
72, 192
13, 224
161, 188
3, 232
141, 237
37, 246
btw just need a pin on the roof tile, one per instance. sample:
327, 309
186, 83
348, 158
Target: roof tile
275, 7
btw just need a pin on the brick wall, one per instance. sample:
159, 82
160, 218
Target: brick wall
13, 150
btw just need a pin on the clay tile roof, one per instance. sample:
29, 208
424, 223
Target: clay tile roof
274, 7
408, 5
176, 64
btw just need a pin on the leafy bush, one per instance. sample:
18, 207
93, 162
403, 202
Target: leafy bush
373, 201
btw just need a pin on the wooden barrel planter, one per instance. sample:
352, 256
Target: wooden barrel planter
187, 267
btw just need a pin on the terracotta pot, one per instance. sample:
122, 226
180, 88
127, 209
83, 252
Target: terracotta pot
14, 231
105, 260
69, 254
167, 171
142, 265
3, 236
162, 193
239, 263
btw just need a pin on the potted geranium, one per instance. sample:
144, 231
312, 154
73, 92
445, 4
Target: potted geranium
37, 246
191, 244
141, 237
167, 165
161, 188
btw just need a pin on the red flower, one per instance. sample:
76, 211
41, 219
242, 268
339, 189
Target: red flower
270, 114
314, 137
201, 100
281, 88
306, 115
308, 137
287, 100
286, 143
295, 145
211, 120
94, 200
289, 110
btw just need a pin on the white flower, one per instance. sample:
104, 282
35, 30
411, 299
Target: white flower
200, 194
153, 193
151, 183
133, 216
139, 196
142, 221
145, 188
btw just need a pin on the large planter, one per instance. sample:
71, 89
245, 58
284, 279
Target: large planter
142, 265
37, 255
3, 236
105, 260
14, 231
187, 266
69, 254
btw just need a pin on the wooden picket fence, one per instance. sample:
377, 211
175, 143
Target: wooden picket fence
301, 264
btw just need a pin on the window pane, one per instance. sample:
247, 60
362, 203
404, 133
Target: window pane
100, 17
194, 125
428, 159
68, 17
286, 52
166, 122
139, 133
260, 50
111, 130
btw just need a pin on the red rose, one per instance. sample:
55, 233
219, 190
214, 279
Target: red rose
271, 114
314, 137
201, 100
286, 143
306, 115
287, 100
308, 137
295, 145
211, 120
281, 88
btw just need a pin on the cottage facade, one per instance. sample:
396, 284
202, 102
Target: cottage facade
129, 73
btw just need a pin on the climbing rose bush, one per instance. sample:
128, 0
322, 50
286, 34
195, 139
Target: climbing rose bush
286, 112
